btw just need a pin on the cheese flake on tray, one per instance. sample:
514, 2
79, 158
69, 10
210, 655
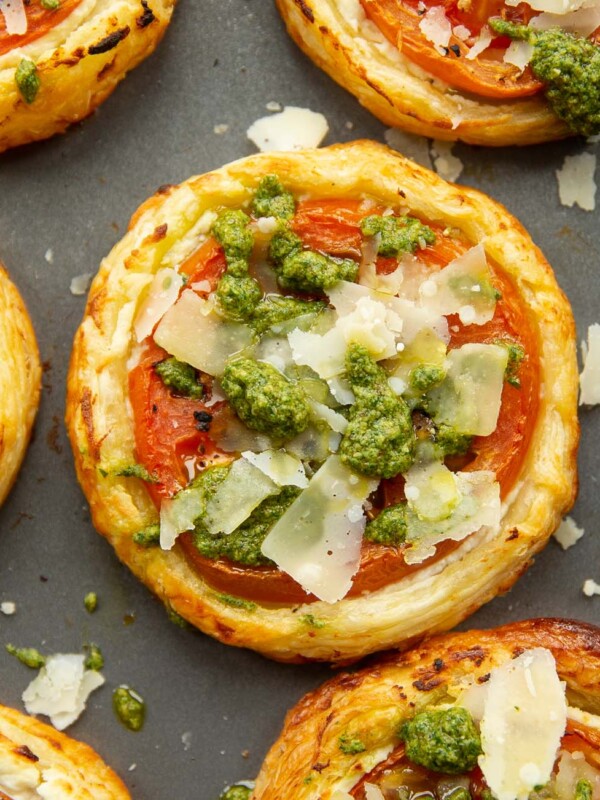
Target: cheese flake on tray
576, 184
318, 539
590, 587
292, 129
589, 380
446, 164
524, 719
61, 689
568, 533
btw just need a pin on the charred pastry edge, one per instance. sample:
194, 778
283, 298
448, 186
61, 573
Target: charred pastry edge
403, 95
399, 685
437, 597
20, 381
79, 63
86, 776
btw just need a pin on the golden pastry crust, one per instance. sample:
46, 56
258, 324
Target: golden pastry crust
163, 232
372, 703
20, 380
340, 40
33, 754
73, 80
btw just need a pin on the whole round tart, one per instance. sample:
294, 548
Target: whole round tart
509, 713
492, 72
20, 380
38, 761
59, 59
324, 402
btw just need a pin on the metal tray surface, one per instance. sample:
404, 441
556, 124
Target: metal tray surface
212, 710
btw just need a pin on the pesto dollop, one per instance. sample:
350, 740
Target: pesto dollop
237, 293
570, 68
272, 200
389, 527
424, 377
264, 399
129, 708
27, 80
583, 790
516, 354
180, 377
380, 440
275, 309
397, 234
237, 792
442, 741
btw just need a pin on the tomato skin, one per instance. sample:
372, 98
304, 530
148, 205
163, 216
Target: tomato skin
399, 22
502, 452
40, 21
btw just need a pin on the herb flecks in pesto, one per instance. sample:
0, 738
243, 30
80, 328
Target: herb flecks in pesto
351, 745
29, 656
90, 601
389, 527
237, 792
50, 5
243, 545
180, 377
397, 234
148, 537
312, 621
306, 270
136, 471
236, 602
94, 659
275, 309
516, 354
449, 442
442, 741
569, 66
264, 399
583, 790
129, 708
424, 377
380, 440
237, 293
27, 80
272, 200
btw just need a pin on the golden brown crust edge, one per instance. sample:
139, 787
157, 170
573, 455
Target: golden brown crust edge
73, 80
20, 379
30, 748
399, 93
371, 703
436, 598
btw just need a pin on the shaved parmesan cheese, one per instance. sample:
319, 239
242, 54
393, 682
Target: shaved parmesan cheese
469, 398
280, 467
193, 332
584, 717
437, 28
583, 22
61, 689
573, 767
8, 608
373, 792
446, 164
465, 283
478, 507
275, 350
576, 184
231, 435
292, 129
372, 326
313, 444
555, 6
80, 284
178, 514
524, 718
15, 17
325, 354
461, 32
590, 588
589, 380
482, 43
244, 488
164, 291
432, 491
317, 541
340, 389
568, 533
336, 422
518, 54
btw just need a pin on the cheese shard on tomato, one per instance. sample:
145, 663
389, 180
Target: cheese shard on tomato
478, 507
281, 467
524, 719
464, 287
573, 767
583, 22
244, 488
164, 291
178, 514
193, 332
589, 380
318, 539
61, 689
469, 398
437, 28
15, 17
432, 491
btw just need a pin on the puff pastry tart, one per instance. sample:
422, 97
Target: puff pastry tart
510, 713
306, 401
20, 379
59, 59
36, 761
492, 72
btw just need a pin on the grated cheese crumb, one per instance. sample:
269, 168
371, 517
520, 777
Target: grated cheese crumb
49, 255
576, 184
8, 608
273, 105
221, 128
590, 588
568, 533
80, 284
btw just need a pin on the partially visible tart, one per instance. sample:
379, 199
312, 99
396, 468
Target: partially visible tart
20, 380
306, 401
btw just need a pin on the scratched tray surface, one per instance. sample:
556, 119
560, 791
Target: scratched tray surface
212, 710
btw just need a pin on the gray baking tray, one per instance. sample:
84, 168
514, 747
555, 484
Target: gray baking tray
212, 710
